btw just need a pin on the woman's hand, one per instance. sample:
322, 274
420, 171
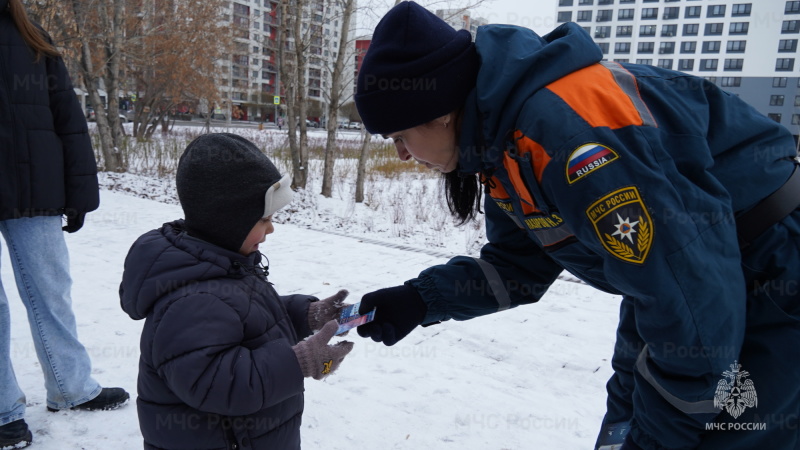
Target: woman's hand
399, 310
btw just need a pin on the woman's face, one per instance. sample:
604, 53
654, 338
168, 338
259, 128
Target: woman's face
432, 144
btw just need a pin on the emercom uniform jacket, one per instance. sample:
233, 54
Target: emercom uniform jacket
630, 177
217, 369
47, 165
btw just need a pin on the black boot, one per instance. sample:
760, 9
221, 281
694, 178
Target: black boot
15, 435
109, 398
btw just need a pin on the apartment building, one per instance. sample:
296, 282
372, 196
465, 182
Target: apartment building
749, 48
253, 84
461, 19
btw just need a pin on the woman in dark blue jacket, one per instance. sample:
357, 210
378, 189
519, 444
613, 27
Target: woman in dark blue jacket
647, 183
47, 170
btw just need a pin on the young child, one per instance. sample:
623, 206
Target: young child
222, 354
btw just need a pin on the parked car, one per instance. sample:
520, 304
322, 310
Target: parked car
354, 125
310, 123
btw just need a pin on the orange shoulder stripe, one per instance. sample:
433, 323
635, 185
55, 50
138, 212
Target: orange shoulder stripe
595, 94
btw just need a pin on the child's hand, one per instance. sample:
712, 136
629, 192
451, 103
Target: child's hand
318, 359
323, 311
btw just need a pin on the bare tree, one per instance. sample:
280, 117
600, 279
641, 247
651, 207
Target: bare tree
173, 60
335, 98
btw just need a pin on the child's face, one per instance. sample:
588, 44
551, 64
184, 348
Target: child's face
257, 235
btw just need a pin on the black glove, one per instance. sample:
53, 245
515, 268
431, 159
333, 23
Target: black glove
399, 310
74, 222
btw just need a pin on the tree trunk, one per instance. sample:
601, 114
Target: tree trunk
333, 104
301, 99
288, 80
361, 173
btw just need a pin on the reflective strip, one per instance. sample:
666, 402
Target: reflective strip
550, 236
701, 407
627, 82
496, 284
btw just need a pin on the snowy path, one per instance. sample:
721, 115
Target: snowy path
528, 378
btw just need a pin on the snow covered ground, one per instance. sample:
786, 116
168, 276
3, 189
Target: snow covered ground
529, 378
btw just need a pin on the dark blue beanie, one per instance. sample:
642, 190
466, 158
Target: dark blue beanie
417, 68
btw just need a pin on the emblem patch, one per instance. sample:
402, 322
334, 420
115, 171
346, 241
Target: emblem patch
623, 224
735, 392
588, 158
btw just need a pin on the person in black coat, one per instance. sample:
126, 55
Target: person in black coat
222, 356
47, 170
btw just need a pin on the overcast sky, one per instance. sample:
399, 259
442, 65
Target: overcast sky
539, 15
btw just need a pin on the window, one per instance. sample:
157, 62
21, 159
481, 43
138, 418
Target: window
691, 12
648, 62
666, 48
688, 47
602, 32
605, 2
739, 28
584, 16
734, 64
715, 11
792, 8
730, 81
625, 14
604, 15
775, 117
736, 46
603, 47
669, 30
784, 64
691, 29
685, 64
585, 2
623, 31
649, 1
779, 82
711, 46
627, 1
708, 64
787, 45
672, 12
649, 13
797, 100
665, 63
790, 27
623, 60
622, 47
776, 100
564, 2
647, 30
714, 29
795, 119
646, 47
565, 16
741, 9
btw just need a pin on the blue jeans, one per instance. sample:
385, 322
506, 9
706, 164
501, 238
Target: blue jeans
40, 260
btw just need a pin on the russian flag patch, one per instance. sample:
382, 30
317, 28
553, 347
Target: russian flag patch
588, 158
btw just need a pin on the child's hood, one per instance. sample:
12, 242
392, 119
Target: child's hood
164, 260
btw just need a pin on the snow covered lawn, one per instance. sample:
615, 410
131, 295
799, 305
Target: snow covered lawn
528, 378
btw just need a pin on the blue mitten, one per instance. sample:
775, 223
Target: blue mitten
399, 310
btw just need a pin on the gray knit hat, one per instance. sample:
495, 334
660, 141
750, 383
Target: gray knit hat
225, 185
